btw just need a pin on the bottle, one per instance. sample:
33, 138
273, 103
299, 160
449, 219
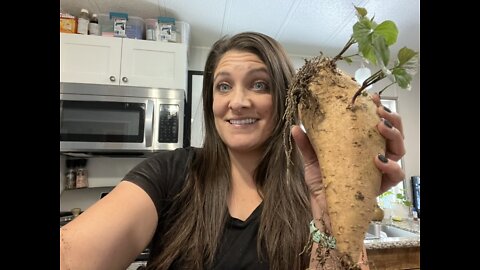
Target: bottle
83, 21
82, 174
93, 27
70, 175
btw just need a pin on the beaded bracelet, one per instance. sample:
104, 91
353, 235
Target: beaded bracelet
321, 238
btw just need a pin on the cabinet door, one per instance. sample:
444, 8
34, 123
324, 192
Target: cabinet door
90, 59
154, 64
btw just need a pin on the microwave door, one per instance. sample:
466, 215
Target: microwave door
104, 123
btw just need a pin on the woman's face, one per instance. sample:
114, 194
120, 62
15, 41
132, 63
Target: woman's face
242, 101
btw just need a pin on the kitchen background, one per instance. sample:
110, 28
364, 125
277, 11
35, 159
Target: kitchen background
304, 27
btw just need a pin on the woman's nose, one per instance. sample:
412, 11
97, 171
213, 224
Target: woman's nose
239, 100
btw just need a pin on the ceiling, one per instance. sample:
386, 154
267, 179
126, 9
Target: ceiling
304, 27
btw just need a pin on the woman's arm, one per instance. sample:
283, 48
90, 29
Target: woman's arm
111, 233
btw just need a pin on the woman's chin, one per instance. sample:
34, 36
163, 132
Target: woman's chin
239, 146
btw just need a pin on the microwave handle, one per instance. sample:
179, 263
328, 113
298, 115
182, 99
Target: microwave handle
61, 111
149, 124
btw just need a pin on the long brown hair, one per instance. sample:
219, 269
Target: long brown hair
193, 239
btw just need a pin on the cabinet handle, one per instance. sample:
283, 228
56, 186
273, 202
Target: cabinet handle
124, 79
112, 78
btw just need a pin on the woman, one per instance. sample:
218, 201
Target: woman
230, 204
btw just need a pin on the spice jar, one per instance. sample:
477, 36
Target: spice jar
82, 174
70, 175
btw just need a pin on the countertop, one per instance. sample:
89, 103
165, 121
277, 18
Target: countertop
397, 242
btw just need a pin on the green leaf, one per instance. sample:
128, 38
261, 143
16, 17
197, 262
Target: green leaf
408, 60
385, 194
362, 30
362, 12
388, 30
381, 49
405, 54
402, 78
368, 52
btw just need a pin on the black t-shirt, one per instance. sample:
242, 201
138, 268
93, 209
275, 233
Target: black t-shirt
162, 176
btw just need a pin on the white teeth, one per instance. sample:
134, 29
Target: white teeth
243, 121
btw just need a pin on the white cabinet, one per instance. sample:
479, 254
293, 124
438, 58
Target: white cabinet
122, 61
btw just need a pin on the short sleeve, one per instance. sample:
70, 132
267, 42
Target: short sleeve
162, 175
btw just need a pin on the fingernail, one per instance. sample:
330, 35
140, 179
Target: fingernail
382, 158
386, 109
387, 123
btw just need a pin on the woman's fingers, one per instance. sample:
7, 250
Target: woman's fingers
391, 170
376, 99
394, 140
393, 118
313, 176
304, 145
386, 113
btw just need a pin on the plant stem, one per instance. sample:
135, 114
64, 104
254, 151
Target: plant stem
351, 55
350, 42
381, 91
377, 76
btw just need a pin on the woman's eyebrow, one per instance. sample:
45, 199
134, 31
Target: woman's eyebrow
221, 73
251, 72
257, 70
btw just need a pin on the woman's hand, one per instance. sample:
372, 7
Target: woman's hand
313, 176
391, 128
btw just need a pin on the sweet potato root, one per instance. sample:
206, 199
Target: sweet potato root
346, 140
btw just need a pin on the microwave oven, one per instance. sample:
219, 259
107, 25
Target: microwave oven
119, 119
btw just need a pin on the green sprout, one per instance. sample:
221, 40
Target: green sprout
373, 46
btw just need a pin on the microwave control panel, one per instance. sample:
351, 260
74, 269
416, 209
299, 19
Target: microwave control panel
168, 125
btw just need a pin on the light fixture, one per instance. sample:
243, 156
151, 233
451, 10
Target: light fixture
362, 74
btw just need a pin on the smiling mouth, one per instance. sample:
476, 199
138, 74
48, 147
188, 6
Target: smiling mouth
247, 121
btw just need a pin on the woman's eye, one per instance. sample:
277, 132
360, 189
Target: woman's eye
223, 87
260, 86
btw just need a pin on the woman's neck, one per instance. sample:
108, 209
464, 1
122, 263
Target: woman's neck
244, 196
243, 165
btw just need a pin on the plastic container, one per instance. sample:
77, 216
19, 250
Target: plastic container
166, 29
151, 26
83, 21
93, 26
106, 25
134, 28
183, 32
